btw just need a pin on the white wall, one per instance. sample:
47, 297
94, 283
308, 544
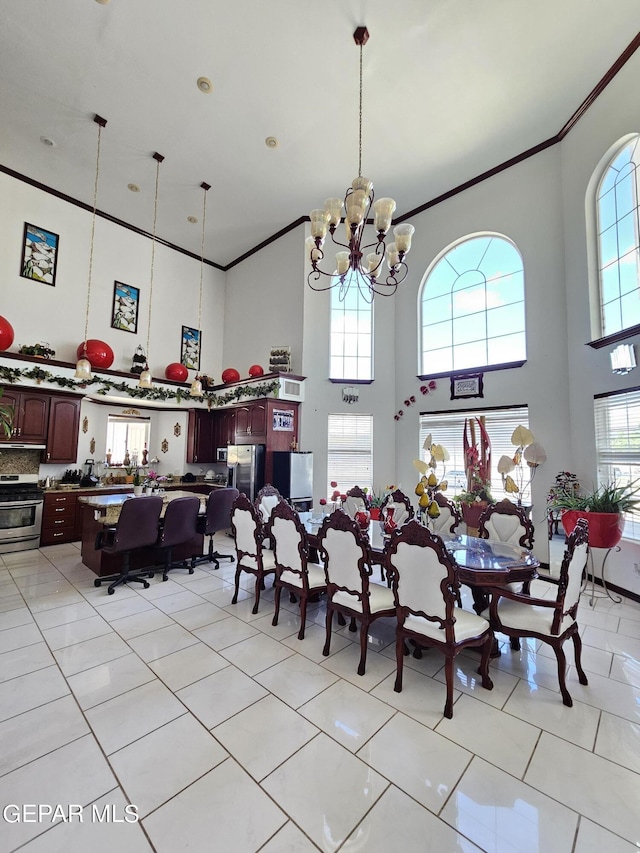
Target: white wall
39, 312
611, 117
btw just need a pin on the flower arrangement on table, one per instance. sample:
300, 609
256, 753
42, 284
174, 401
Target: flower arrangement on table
430, 483
527, 450
153, 481
477, 465
335, 501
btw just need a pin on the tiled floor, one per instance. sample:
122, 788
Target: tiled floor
228, 734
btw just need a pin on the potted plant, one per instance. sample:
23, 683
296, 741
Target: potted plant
137, 482
603, 508
375, 501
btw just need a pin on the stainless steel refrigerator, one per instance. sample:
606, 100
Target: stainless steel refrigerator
293, 478
246, 468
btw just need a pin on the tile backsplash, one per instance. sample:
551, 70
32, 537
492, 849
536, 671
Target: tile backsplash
19, 461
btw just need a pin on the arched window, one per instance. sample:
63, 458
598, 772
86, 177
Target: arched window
351, 334
472, 307
618, 244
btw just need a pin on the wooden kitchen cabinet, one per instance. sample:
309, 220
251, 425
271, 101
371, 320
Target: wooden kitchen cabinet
201, 437
30, 416
62, 434
251, 424
59, 518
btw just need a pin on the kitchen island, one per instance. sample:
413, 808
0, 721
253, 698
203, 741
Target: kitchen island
99, 510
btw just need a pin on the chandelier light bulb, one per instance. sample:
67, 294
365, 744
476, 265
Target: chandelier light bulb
333, 207
403, 234
384, 209
393, 256
342, 262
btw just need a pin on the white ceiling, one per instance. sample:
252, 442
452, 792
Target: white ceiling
451, 89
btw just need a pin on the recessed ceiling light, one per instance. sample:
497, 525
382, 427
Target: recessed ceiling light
192, 219
46, 140
205, 85
133, 187
271, 142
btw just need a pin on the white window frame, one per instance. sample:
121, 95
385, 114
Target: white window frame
447, 428
350, 359
127, 433
349, 451
442, 359
617, 418
625, 209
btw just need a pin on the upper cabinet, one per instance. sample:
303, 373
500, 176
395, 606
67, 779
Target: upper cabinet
251, 424
62, 435
30, 416
201, 440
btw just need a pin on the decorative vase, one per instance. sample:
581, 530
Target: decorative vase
137, 490
605, 528
374, 513
389, 524
362, 519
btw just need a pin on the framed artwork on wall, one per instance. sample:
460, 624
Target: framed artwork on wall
39, 254
190, 347
126, 300
469, 385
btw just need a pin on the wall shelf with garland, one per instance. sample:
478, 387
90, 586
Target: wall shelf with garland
101, 384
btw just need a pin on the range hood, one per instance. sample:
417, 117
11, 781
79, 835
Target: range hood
16, 445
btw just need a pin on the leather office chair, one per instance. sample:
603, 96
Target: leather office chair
178, 527
424, 583
137, 528
218, 518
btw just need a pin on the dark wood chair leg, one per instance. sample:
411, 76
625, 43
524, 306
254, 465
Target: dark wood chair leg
327, 642
363, 647
352, 625
303, 616
483, 669
448, 671
401, 650
234, 600
577, 648
259, 586
514, 642
276, 603
341, 620
562, 675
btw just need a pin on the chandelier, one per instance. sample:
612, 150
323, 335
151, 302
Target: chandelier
351, 265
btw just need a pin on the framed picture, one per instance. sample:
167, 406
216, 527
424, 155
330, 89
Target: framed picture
470, 385
283, 420
39, 254
190, 348
126, 300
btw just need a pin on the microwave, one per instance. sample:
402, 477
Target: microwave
221, 454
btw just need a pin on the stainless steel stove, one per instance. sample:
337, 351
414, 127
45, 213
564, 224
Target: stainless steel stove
21, 504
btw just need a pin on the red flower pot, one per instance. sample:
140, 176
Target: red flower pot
471, 515
605, 528
374, 512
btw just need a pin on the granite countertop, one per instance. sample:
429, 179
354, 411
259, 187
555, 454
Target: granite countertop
90, 490
107, 507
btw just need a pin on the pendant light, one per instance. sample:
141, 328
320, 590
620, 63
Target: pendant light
83, 365
145, 377
196, 385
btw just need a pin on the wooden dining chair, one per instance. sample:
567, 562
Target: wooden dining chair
506, 522
266, 500
356, 501
449, 517
349, 590
251, 554
424, 583
401, 506
294, 571
551, 620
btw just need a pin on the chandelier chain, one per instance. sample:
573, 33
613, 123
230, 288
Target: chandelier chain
93, 231
153, 253
360, 122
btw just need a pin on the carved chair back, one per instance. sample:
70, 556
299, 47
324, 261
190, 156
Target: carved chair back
247, 532
401, 506
356, 501
449, 517
506, 522
344, 552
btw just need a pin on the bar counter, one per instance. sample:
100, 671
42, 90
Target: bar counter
99, 509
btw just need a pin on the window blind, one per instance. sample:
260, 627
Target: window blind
617, 419
350, 452
447, 428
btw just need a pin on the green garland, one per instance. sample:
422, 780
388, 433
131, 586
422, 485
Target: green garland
14, 375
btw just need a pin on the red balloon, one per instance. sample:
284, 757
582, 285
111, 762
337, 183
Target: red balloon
99, 354
256, 370
230, 375
6, 334
176, 371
